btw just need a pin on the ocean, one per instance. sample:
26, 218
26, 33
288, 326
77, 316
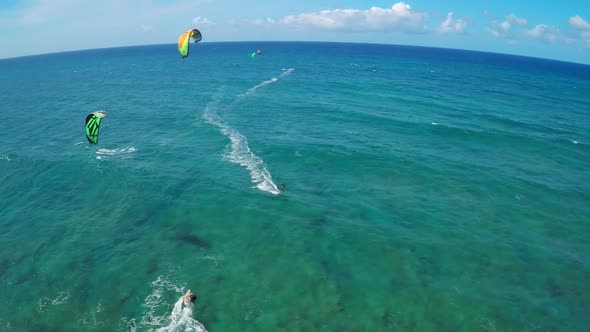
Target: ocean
316, 187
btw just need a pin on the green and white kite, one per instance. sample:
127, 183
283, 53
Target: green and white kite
92, 126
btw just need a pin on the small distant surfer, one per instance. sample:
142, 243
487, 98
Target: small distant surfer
282, 188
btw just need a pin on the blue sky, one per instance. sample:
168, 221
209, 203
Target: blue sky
549, 29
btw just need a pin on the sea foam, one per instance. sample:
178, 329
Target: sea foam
239, 151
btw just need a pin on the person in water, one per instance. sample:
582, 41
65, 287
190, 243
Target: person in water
189, 298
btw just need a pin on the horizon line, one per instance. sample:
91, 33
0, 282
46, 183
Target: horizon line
295, 41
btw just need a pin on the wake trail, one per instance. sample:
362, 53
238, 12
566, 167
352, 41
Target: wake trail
239, 151
180, 319
241, 154
252, 90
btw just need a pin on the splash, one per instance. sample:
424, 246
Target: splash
180, 319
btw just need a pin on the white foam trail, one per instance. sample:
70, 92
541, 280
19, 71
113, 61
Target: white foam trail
3, 157
102, 152
240, 153
263, 84
286, 71
79, 143
179, 319
575, 142
434, 123
113, 152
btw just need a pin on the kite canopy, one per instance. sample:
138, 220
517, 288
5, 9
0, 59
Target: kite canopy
254, 54
184, 41
92, 125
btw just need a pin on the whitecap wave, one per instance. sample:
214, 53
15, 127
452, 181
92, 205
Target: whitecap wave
60, 298
91, 319
575, 142
4, 157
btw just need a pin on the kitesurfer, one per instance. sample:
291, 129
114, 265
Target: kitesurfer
189, 298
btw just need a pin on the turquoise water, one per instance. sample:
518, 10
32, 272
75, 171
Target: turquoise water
426, 190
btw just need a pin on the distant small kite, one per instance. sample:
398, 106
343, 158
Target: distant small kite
254, 54
93, 125
184, 41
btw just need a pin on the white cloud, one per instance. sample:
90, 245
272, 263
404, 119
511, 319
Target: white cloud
495, 33
578, 22
452, 26
502, 29
504, 25
543, 32
499, 30
516, 20
146, 28
585, 38
263, 22
203, 21
400, 16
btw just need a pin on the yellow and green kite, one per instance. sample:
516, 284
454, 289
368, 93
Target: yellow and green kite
184, 40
